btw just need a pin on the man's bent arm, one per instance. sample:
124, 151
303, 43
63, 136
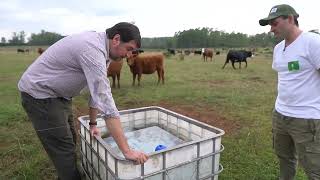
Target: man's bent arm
116, 131
93, 114
93, 120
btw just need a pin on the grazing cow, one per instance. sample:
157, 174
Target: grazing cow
27, 51
40, 50
237, 56
198, 52
146, 63
218, 53
114, 71
20, 50
207, 53
171, 51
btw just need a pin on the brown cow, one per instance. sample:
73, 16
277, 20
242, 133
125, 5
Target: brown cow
114, 71
207, 53
146, 63
40, 50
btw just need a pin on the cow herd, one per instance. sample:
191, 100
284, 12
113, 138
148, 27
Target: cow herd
151, 62
20, 50
233, 55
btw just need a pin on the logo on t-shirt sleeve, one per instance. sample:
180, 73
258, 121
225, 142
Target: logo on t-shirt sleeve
293, 66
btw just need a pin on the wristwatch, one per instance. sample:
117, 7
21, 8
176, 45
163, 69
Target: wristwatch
93, 123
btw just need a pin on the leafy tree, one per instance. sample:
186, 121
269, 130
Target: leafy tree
3, 40
17, 38
44, 38
22, 37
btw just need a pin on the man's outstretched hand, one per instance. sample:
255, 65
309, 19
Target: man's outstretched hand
94, 131
136, 156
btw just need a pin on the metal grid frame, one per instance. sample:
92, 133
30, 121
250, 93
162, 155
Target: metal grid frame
90, 148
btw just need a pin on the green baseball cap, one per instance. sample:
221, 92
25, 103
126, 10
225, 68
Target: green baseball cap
277, 11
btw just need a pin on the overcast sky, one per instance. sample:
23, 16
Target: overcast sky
154, 18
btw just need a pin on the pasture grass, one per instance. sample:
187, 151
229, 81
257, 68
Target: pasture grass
244, 97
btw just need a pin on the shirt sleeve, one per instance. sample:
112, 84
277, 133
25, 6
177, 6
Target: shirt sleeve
314, 50
93, 64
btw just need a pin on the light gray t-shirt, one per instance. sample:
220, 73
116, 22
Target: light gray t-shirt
68, 66
298, 76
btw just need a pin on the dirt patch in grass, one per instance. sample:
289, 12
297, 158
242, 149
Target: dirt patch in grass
224, 83
257, 79
201, 113
79, 111
216, 83
7, 78
204, 114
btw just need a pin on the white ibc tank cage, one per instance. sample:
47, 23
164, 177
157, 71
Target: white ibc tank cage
197, 157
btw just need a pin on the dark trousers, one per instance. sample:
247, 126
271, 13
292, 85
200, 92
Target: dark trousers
53, 121
297, 139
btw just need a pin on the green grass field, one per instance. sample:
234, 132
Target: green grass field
238, 101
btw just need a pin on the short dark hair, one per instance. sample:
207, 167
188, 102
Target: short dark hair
127, 32
295, 19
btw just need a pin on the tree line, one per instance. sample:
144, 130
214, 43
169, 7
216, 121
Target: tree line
43, 38
192, 38
207, 37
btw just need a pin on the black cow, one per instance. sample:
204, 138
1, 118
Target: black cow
20, 50
218, 52
171, 51
198, 52
237, 56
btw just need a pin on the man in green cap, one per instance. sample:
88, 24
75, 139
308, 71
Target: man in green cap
296, 117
